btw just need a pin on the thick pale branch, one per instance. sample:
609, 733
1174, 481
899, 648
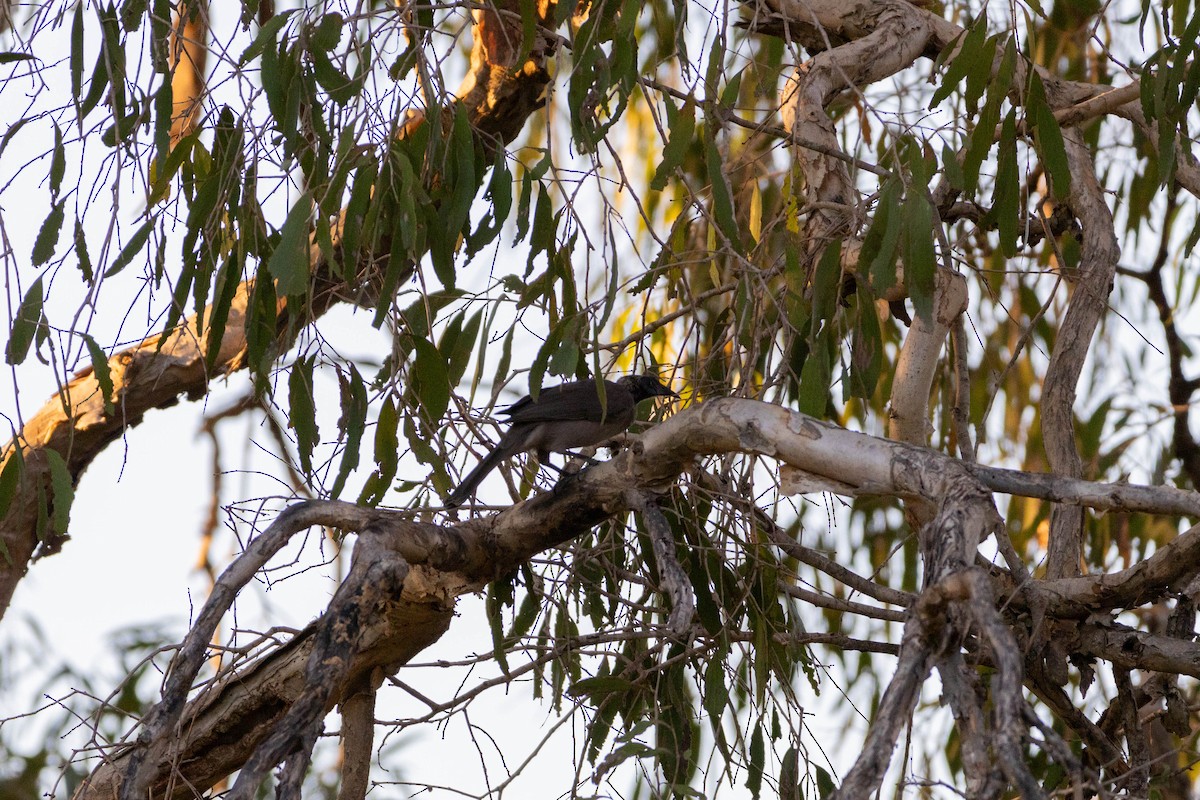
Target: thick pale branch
892, 35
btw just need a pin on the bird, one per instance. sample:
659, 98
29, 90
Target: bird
562, 418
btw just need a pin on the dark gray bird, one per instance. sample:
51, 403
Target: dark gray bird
563, 418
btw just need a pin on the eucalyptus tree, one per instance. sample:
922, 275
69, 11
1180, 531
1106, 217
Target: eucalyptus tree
920, 273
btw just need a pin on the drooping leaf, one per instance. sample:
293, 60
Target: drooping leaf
1007, 192
1047, 137
102, 372
81, 252
228, 280
722, 198
302, 410
11, 132
131, 248
10, 478
965, 61
62, 489
266, 36
58, 163
756, 766
815, 378
866, 350
289, 264
827, 284
980, 142
920, 259
77, 52
881, 245
351, 424
387, 459
25, 324
47, 238
681, 130
430, 381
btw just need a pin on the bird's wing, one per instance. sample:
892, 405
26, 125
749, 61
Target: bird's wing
577, 400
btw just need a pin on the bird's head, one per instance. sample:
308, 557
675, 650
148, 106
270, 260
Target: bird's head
643, 387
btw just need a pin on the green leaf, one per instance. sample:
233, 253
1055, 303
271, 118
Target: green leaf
827, 284
164, 170
386, 454
356, 211
10, 479
458, 352
1047, 137
58, 163
102, 372
920, 260
25, 325
881, 245
980, 141
228, 279
131, 248
352, 424
722, 199
525, 617
541, 240
260, 330
1007, 192
866, 352
601, 687
160, 28
11, 132
336, 83
953, 170
266, 36
681, 130
81, 252
789, 775
289, 263
716, 691
430, 381
131, 14
825, 784
757, 763
500, 187
328, 32
815, 377
541, 361
11, 57
103, 80
77, 52
47, 238
979, 73
62, 491
302, 410
497, 593
966, 61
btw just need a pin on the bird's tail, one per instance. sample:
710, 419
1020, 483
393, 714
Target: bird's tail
471, 482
